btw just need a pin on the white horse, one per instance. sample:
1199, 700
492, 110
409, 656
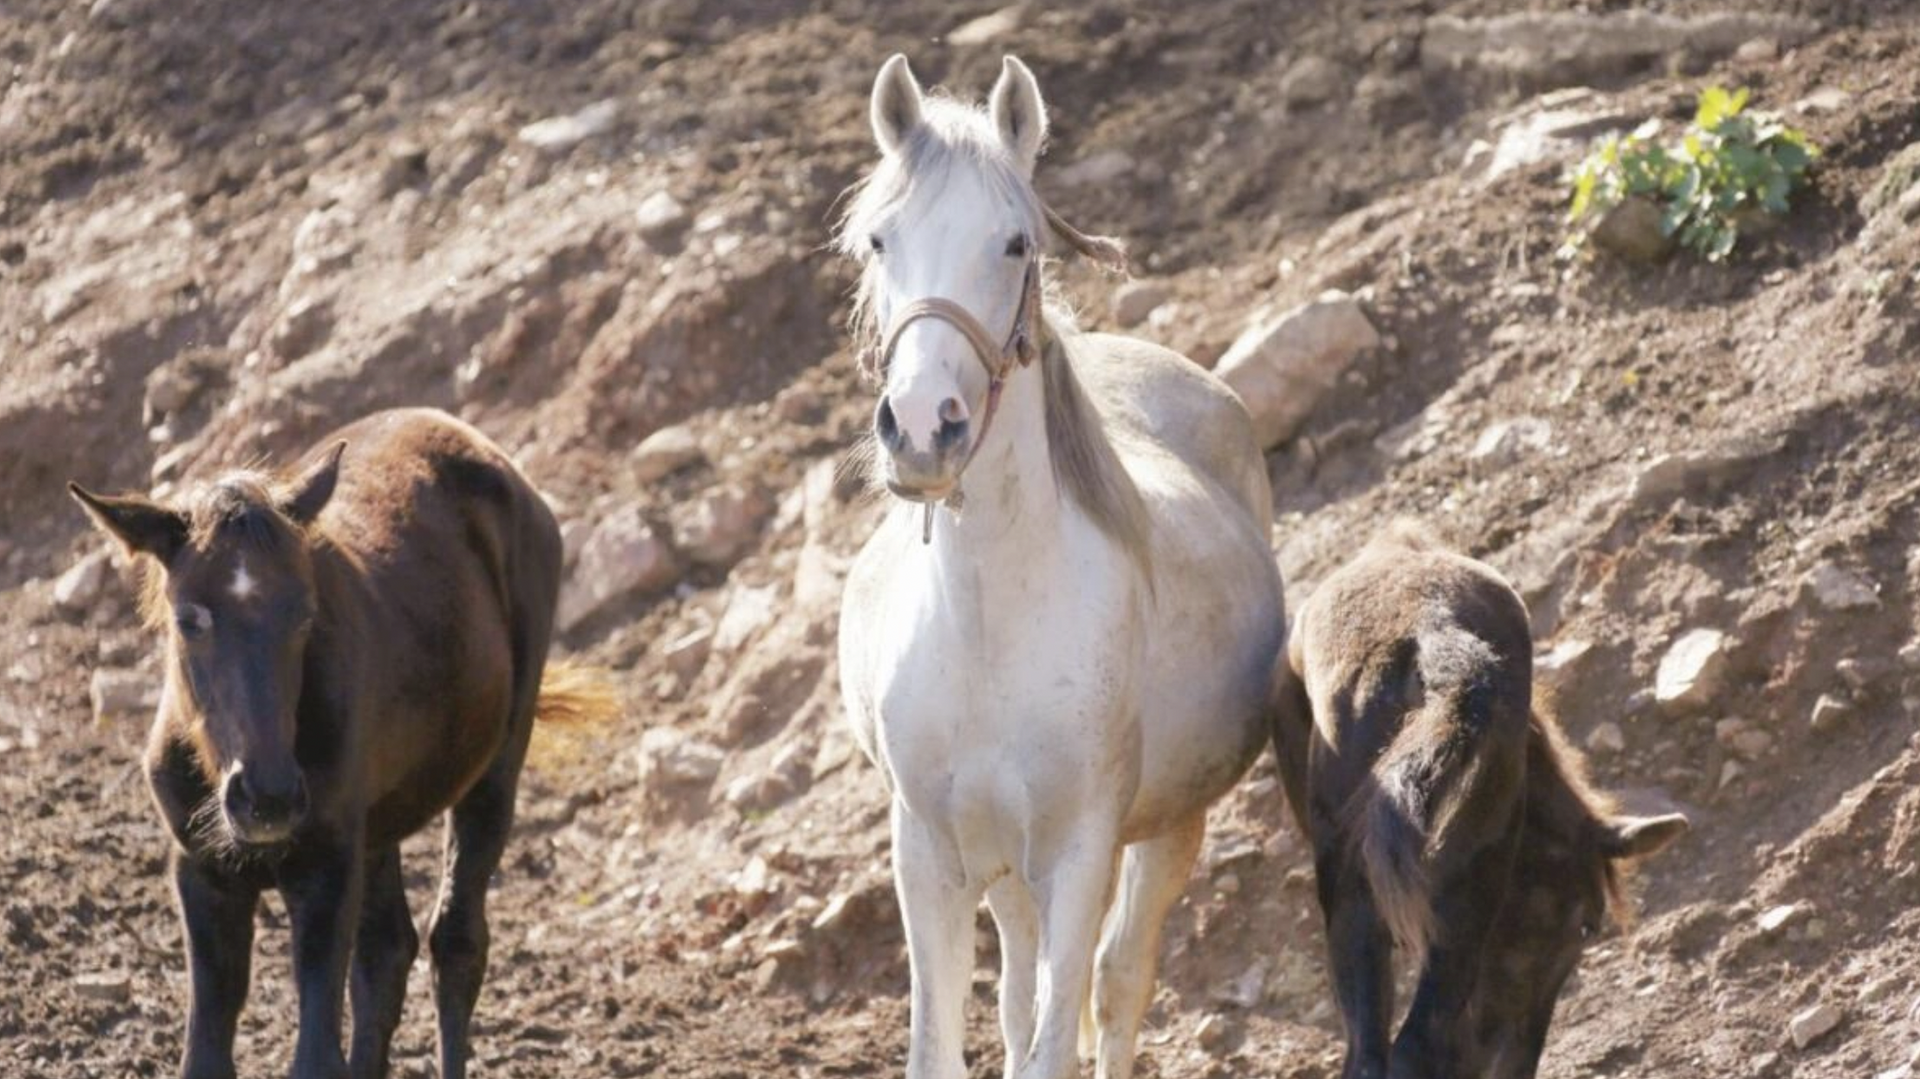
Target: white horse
1057, 679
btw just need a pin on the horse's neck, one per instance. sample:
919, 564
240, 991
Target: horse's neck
1012, 502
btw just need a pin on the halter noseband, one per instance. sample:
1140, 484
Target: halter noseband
1021, 347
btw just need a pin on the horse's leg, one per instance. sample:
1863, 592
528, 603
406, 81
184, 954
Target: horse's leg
937, 905
1360, 953
476, 839
217, 911
321, 882
1437, 1038
1019, 923
382, 954
1073, 896
1152, 876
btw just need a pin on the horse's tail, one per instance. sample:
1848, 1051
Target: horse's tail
574, 694
1401, 818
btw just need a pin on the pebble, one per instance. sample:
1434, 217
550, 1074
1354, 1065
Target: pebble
1211, 1032
1607, 738
1777, 917
109, 986
79, 587
1828, 712
663, 453
1692, 672
1813, 1024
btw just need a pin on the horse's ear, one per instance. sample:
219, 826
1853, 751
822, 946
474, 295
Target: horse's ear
142, 525
306, 495
1018, 112
896, 104
1637, 837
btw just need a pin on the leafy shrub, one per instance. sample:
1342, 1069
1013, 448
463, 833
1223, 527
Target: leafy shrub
1729, 165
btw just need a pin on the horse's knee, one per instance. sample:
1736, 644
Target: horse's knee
458, 941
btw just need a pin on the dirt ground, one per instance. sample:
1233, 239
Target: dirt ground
228, 227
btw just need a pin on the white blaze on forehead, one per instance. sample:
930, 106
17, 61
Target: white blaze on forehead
243, 586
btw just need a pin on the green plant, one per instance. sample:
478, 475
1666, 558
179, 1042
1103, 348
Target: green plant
1729, 165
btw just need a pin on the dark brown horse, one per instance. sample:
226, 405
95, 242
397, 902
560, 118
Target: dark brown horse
1445, 811
351, 648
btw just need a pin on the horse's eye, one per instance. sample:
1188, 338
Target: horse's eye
193, 621
878, 247
1017, 247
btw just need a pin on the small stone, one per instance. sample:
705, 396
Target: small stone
1135, 300
665, 452
1828, 711
623, 556
758, 793
304, 327
660, 217
1857, 673
1776, 918
1909, 655
799, 404
1100, 168
1507, 442
1742, 739
1563, 656
1212, 1032
749, 610
1692, 672
1730, 773
1607, 738
988, 28
111, 987
687, 653
1759, 50
1902, 1071
172, 387
1824, 100
1631, 230
76, 590
1311, 80
1813, 1024
669, 758
117, 693
1839, 589
557, 134
720, 526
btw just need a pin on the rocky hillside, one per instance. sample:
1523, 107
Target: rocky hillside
596, 230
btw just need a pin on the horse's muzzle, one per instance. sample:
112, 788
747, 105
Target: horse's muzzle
263, 813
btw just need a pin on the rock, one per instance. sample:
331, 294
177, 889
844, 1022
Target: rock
1100, 168
1730, 773
669, 758
1692, 672
1135, 300
1758, 51
324, 241
623, 556
1813, 1024
1507, 442
660, 217
1563, 657
665, 452
172, 387
1282, 366
688, 653
1828, 712
1632, 231
1559, 126
1671, 474
1858, 673
799, 404
988, 28
1838, 589
749, 610
1824, 100
758, 793
1909, 655
1742, 739
1776, 918
111, 987
1311, 80
76, 590
1562, 46
116, 693
1212, 1032
1607, 738
1898, 177
720, 526
558, 134
404, 167
303, 327
1250, 988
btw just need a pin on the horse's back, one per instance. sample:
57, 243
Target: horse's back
1153, 394
456, 563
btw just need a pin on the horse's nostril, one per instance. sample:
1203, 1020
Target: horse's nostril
953, 410
953, 430
886, 426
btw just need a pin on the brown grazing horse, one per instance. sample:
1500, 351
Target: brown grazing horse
1446, 812
351, 648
